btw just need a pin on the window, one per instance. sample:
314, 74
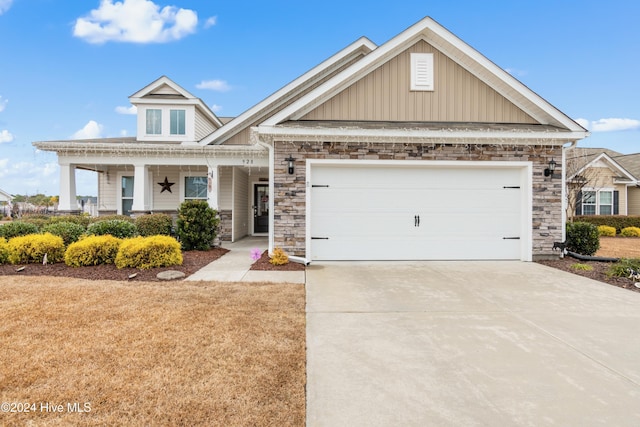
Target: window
177, 118
598, 202
422, 71
195, 188
127, 195
154, 122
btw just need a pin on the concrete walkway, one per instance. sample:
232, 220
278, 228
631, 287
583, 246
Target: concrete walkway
235, 266
469, 344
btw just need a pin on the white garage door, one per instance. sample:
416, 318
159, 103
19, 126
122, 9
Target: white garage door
422, 212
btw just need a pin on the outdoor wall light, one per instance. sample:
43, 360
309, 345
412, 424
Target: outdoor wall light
290, 161
550, 169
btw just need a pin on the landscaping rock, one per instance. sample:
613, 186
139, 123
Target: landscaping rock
170, 275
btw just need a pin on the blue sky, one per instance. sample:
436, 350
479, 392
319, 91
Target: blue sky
67, 68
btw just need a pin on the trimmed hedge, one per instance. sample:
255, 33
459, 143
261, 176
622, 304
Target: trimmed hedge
93, 250
154, 224
630, 232
83, 220
149, 252
17, 228
69, 231
115, 227
4, 251
605, 230
583, 238
32, 248
617, 221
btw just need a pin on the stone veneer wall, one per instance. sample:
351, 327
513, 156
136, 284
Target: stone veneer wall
290, 190
226, 222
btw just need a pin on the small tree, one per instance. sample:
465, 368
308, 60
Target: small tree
197, 225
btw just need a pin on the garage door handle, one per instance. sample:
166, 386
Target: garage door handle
416, 220
511, 238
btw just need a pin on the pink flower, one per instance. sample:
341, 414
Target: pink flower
256, 253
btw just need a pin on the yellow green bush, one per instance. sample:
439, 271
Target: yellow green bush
605, 230
630, 232
33, 247
279, 257
4, 250
92, 250
149, 252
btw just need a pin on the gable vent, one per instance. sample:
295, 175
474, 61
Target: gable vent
422, 71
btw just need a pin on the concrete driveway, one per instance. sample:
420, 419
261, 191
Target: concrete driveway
469, 343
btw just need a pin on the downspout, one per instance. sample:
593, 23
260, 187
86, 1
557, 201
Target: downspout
272, 162
571, 146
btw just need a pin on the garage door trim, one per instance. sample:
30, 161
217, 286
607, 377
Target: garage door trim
526, 180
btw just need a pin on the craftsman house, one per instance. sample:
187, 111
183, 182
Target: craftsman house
420, 148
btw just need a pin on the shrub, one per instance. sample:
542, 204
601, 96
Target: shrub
69, 231
115, 227
279, 257
154, 224
149, 252
112, 217
92, 250
17, 228
617, 221
38, 220
32, 248
83, 220
605, 230
4, 251
630, 232
621, 268
582, 238
197, 225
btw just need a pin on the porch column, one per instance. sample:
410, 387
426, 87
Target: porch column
213, 188
141, 190
67, 200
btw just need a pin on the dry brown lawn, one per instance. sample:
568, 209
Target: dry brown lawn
619, 247
146, 354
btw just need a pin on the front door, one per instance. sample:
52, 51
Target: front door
261, 208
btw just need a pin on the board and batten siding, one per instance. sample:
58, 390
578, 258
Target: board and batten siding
384, 95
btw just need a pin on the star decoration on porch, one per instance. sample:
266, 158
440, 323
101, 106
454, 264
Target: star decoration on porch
166, 185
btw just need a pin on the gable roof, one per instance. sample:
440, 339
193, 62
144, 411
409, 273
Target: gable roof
278, 99
581, 159
433, 33
5, 196
164, 90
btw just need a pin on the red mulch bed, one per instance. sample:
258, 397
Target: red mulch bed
192, 261
598, 273
264, 265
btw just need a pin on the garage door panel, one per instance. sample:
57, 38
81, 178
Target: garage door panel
371, 213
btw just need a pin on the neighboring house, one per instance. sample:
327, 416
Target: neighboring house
420, 148
602, 182
5, 204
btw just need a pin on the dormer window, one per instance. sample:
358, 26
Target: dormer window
154, 122
177, 122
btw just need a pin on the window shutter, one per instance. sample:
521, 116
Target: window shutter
579, 203
422, 71
616, 202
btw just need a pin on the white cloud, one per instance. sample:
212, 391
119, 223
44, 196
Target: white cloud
516, 72
217, 85
609, 125
133, 110
5, 5
216, 108
91, 130
3, 104
210, 22
135, 21
5, 136
124, 132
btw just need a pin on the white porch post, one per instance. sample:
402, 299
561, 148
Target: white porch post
141, 189
67, 199
213, 187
